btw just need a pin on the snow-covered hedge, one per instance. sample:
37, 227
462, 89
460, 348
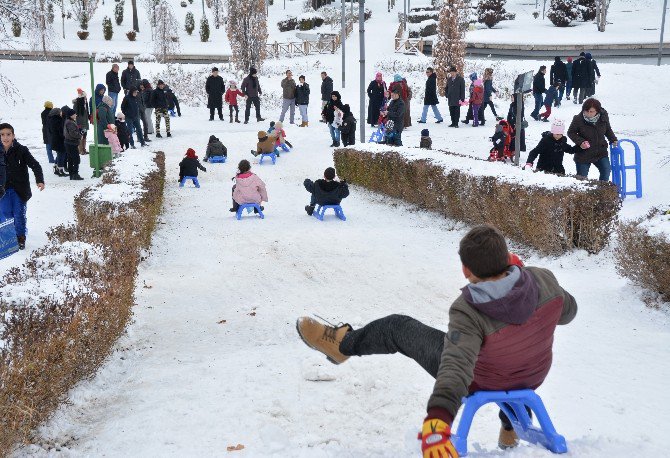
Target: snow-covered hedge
424, 29
644, 252
145, 57
551, 213
108, 56
61, 312
416, 17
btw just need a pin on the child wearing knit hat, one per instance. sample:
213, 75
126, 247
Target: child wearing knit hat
188, 167
113, 139
426, 142
550, 150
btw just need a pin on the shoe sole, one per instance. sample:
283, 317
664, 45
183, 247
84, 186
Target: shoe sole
297, 327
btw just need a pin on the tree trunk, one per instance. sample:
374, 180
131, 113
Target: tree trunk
136, 22
601, 14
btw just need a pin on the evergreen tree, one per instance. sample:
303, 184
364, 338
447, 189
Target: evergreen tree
189, 25
118, 12
247, 32
107, 30
563, 12
204, 29
587, 9
490, 12
449, 48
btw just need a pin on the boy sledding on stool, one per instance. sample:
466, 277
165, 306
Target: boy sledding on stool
500, 336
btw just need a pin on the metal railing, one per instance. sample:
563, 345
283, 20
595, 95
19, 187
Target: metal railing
328, 44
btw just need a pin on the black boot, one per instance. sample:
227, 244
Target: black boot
231, 118
309, 209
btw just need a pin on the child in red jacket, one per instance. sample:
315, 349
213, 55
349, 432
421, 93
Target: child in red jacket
231, 99
476, 99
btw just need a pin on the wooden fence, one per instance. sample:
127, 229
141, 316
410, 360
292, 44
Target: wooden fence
409, 45
324, 45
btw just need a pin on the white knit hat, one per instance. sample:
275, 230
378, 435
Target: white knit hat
558, 127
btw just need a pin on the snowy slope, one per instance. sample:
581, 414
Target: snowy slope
184, 383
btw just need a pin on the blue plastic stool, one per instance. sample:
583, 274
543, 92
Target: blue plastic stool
249, 208
378, 136
272, 156
282, 147
193, 179
217, 159
619, 168
172, 113
546, 435
321, 209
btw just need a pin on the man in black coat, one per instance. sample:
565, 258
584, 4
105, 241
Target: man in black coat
131, 108
113, 85
326, 90
580, 78
327, 191
395, 113
430, 97
17, 183
593, 73
455, 92
130, 77
539, 88
558, 72
159, 100
215, 87
57, 139
48, 106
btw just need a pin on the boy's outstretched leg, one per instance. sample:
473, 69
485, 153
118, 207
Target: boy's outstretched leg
392, 334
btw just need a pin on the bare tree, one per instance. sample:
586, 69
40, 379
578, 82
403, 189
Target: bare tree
602, 6
83, 11
247, 32
166, 36
450, 46
41, 33
8, 92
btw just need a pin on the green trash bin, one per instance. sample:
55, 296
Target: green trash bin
99, 156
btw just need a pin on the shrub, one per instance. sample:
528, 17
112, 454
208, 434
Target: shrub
50, 13
83, 21
190, 1
108, 56
425, 29
415, 18
82, 34
107, 30
562, 12
146, 57
77, 296
189, 23
644, 252
118, 12
132, 35
550, 213
587, 9
16, 27
183, 4
204, 29
288, 24
491, 12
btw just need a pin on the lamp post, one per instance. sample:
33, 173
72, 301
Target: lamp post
343, 39
361, 39
660, 45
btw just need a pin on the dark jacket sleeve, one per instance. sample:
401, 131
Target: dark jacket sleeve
309, 185
208, 86
595, 67
200, 166
573, 132
3, 171
608, 131
124, 79
462, 89
457, 364
369, 91
35, 166
535, 152
343, 190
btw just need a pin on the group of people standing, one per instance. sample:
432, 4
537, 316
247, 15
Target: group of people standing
217, 93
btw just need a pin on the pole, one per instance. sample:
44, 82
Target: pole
517, 127
361, 39
203, 8
93, 108
404, 16
343, 38
660, 45
544, 7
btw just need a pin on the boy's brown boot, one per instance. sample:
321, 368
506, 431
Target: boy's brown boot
323, 338
507, 439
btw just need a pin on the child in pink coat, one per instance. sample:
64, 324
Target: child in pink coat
248, 189
113, 139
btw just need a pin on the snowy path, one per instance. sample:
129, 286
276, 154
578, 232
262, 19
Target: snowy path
183, 384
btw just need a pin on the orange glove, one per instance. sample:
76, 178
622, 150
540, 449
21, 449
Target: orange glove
435, 440
514, 260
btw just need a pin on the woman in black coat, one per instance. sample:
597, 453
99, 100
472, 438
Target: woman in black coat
48, 106
375, 91
57, 138
511, 118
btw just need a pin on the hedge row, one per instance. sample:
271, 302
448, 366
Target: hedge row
644, 256
551, 219
63, 310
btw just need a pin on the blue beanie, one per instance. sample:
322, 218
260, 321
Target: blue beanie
473, 76
425, 133
397, 78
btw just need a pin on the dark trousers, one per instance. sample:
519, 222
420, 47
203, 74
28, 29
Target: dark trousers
235, 108
454, 114
145, 128
247, 110
61, 157
211, 112
73, 159
483, 108
133, 125
480, 113
405, 335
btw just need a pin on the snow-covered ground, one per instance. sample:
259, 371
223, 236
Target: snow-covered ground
184, 382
